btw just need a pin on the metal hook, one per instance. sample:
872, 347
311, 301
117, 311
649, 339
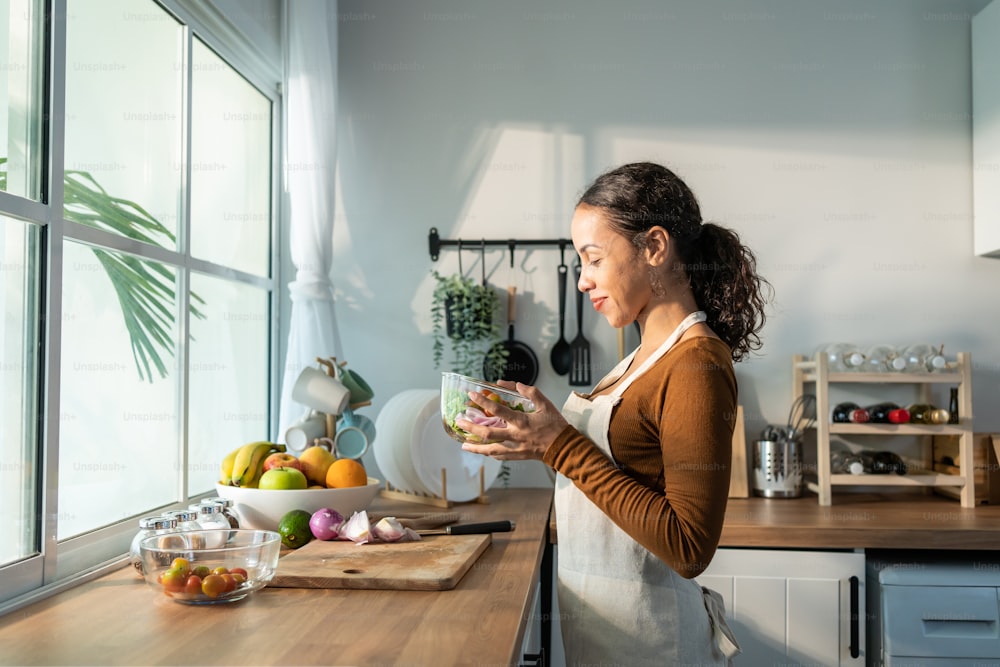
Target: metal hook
460, 271
511, 243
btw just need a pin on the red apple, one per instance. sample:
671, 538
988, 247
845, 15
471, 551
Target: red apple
281, 460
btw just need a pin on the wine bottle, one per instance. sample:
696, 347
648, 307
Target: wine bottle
888, 413
925, 413
850, 413
953, 406
842, 357
923, 358
851, 463
884, 359
884, 463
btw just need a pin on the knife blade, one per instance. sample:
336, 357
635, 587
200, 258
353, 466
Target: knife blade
471, 528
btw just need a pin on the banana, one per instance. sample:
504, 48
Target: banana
249, 462
226, 469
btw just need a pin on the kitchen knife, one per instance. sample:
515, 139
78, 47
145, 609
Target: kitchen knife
472, 528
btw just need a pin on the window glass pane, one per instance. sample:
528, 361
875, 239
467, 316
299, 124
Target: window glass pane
230, 166
18, 388
228, 394
21, 118
124, 110
119, 440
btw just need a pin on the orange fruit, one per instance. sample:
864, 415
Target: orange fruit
344, 473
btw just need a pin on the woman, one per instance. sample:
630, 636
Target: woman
643, 460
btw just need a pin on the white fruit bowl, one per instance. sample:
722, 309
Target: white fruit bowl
263, 508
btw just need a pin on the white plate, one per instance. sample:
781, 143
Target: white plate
404, 446
394, 426
389, 428
432, 449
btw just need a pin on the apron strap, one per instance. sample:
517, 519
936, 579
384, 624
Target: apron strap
686, 323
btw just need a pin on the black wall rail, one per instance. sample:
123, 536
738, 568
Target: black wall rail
435, 243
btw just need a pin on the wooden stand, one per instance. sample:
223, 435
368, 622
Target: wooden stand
429, 499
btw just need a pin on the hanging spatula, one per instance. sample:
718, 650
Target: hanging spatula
579, 374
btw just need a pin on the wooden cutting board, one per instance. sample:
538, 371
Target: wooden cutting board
435, 563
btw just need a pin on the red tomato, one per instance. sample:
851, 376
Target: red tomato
231, 582
193, 585
240, 570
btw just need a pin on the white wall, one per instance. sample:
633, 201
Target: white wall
833, 136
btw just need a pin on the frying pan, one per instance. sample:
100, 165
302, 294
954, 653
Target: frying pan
521, 364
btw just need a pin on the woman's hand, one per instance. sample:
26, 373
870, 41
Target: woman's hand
527, 435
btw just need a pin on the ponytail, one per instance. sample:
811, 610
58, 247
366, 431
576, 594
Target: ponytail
724, 279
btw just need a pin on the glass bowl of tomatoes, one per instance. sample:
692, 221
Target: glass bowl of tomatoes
455, 404
213, 566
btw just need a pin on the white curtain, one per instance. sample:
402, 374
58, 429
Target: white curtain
310, 160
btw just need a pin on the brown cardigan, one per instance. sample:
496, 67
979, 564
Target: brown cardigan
671, 436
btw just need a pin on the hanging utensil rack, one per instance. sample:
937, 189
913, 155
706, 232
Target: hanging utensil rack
435, 243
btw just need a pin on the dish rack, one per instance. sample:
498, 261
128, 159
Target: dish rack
815, 371
430, 499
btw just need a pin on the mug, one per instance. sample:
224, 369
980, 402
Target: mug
360, 391
350, 418
351, 443
348, 443
301, 434
319, 391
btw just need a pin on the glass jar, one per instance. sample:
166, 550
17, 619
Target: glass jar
210, 516
149, 526
227, 509
186, 519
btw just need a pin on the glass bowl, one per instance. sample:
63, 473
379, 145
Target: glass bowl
263, 508
171, 562
455, 404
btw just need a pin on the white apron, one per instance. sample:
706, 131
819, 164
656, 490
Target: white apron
619, 603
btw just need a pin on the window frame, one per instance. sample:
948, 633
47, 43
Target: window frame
65, 563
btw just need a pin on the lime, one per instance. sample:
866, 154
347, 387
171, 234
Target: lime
294, 528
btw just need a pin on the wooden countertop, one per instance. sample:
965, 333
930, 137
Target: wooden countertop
118, 620
857, 521
861, 521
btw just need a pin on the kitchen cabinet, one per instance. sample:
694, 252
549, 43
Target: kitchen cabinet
986, 130
792, 607
815, 373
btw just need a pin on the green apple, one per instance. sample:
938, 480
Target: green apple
283, 478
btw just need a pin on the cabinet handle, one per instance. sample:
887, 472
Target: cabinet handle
854, 648
537, 659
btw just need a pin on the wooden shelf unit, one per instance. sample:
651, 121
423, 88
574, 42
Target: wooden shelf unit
816, 372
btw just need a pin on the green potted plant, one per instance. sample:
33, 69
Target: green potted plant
464, 318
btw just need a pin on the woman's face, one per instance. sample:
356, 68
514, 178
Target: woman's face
615, 275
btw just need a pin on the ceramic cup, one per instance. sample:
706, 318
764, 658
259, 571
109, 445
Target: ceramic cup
319, 391
360, 391
350, 418
351, 443
300, 435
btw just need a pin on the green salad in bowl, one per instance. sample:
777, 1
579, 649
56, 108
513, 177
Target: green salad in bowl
455, 404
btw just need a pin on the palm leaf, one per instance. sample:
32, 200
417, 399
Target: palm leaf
146, 290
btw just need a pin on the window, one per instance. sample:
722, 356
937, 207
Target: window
154, 237
21, 94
